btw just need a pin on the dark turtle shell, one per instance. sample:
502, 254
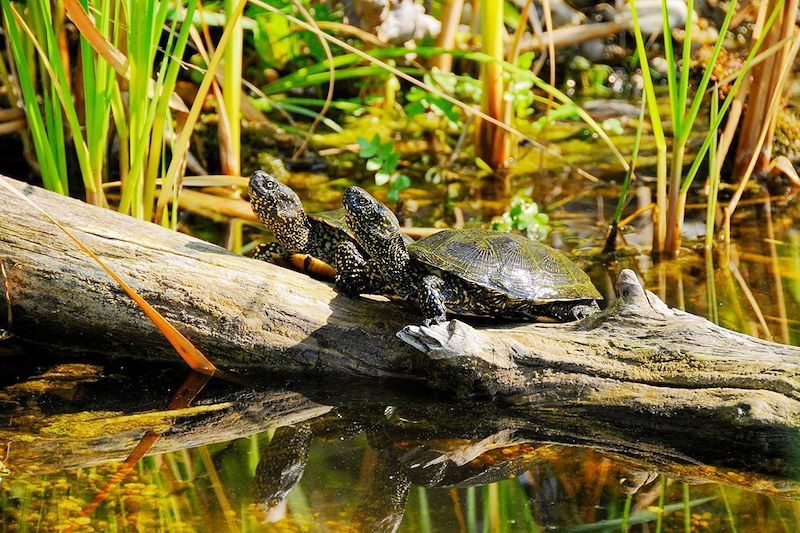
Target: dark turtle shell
505, 262
333, 218
336, 219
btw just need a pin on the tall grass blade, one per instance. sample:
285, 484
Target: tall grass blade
661, 497
687, 509
743, 72
424, 511
640, 517
714, 176
728, 511
232, 87
51, 61
658, 133
101, 45
472, 510
626, 514
52, 176
182, 144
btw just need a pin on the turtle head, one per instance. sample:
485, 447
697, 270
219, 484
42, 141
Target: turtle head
373, 224
279, 208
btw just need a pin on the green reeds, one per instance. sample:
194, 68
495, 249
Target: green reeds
41, 80
672, 190
424, 511
171, 179
148, 101
232, 91
140, 104
492, 142
611, 239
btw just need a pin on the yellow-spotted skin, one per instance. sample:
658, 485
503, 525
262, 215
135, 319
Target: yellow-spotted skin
279, 208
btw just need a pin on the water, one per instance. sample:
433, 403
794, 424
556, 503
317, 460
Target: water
323, 454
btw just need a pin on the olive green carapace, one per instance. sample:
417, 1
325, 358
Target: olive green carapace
473, 272
510, 263
279, 208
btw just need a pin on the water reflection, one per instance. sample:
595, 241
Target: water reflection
361, 456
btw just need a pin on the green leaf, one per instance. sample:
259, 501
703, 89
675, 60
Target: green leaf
382, 178
373, 165
525, 60
386, 150
415, 95
368, 149
402, 182
415, 108
448, 109
481, 164
390, 162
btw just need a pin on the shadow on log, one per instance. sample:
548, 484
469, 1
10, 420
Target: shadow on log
637, 368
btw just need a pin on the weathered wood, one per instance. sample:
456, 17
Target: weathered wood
638, 361
239, 311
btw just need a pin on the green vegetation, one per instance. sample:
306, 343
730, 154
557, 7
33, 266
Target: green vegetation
382, 159
524, 216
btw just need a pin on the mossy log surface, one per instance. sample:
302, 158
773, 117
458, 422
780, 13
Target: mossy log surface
638, 363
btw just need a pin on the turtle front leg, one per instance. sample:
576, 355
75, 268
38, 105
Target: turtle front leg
351, 270
431, 301
271, 252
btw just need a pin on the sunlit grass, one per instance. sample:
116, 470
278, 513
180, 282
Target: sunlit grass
672, 190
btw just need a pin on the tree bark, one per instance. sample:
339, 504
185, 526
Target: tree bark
638, 363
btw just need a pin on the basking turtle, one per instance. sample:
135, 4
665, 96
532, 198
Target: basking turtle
279, 208
475, 272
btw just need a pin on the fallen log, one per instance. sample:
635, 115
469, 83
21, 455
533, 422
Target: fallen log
638, 363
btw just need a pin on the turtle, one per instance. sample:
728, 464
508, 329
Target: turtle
467, 272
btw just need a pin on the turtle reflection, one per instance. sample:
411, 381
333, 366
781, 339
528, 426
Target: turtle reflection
397, 457
281, 467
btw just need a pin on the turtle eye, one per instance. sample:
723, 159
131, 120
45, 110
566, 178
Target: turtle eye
271, 185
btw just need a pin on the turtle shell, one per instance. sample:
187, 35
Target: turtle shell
505, 262
336, 219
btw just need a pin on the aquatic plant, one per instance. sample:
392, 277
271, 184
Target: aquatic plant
135, 89
492, 144
382, 159
524, 216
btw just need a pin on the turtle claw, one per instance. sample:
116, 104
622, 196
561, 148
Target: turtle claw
434, 321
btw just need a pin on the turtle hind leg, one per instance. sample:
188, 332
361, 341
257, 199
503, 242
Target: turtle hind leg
568, 311
431, 301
